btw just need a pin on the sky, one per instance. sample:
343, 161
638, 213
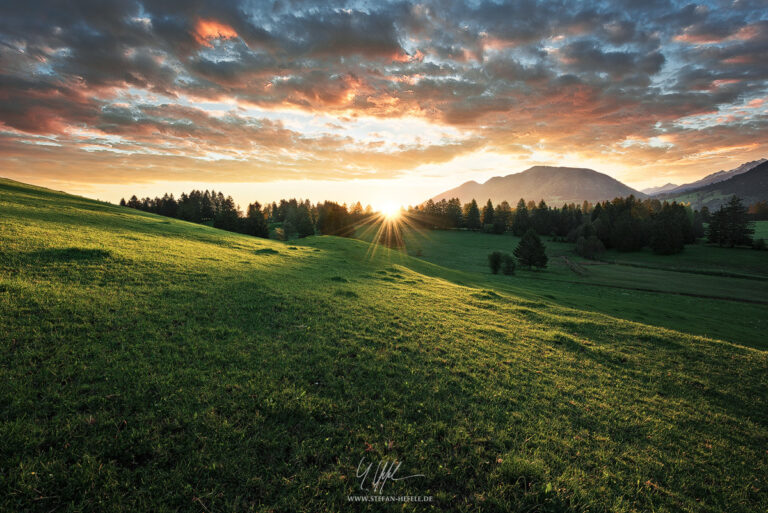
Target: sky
374, 101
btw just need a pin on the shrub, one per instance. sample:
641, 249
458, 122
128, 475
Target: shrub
494, 261
759, 245
590, 247
507, 264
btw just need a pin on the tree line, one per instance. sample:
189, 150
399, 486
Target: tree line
625, 224
287, 218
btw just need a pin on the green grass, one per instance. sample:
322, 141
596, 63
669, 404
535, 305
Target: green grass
154, 365
696, 291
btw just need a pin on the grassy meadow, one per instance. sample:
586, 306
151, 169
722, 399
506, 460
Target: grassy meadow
709, 291
150, 364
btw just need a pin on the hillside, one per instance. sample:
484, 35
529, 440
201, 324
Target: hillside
555, 185
151, 364
751, 186
710, 179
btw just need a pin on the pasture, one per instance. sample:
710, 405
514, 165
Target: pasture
153, 364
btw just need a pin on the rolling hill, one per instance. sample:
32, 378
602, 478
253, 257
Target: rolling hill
555, 185
149, 364
751, 186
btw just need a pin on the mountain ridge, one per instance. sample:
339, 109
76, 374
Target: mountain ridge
751, 186
555, 185
712, 178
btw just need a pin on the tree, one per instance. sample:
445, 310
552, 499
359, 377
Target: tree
122, 202
530, 252
589, 247
521, 221
134, 202
494, 261
472, 215
333, 219
507, 264
502, 217
304, 225
488, 213
540, 219
453, 213
730, 226
668, 230
226, 216
255, 223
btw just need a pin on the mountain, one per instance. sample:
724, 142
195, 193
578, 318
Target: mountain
658, 190
719, 176
751, 186
555, 185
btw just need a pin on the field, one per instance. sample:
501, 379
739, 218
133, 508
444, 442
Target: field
150, 364
714, 292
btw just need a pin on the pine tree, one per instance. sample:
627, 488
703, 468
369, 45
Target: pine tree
472, 215
730, 226
488, 213
667, 231
453, 213
304, 225
521, 222
501, 217
255, 223
530, 252
226, 216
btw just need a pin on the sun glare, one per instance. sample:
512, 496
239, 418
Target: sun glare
390, 211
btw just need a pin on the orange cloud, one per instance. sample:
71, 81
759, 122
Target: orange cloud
206, 30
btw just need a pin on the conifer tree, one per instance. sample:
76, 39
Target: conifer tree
472, 215
530, 252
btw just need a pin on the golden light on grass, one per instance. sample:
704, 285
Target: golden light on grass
388, 226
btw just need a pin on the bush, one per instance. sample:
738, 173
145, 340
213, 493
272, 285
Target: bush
759, 244
590, 247
507, 264
494, 261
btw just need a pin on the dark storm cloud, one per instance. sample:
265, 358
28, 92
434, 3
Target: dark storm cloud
586, 73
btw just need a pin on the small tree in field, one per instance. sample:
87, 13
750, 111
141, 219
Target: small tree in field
530, 252
508, 264
494, 261
730, 225
590, 247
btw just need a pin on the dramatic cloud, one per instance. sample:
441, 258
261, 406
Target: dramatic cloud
123, 90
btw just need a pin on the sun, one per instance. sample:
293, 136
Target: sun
390, 211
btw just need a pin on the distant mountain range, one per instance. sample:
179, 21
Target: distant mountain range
555, 185
750, 185
658, 190
720, 176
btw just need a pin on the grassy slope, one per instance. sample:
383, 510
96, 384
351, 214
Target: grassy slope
151, 364
641, 287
